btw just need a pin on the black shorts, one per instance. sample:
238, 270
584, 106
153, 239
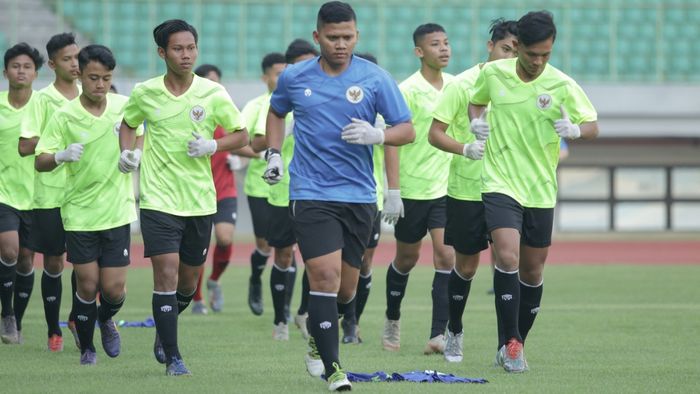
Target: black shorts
322, 227
281, 231
466, 226
189, 236
534, 224
110, 248
420, 216
376, 231
226, 211
48, 236
12, 219
260, 214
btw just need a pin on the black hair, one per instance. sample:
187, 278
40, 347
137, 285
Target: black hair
425, 29
335, 12
96, 53
536, 26
299, 47
367, 56
58, 42
24, 49
205, 69
162, 32
271, 59
501, 28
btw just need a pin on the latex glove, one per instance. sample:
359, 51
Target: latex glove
480, 127
275, 169
565, 128
362, 133
200, 146
475, 150
234, 162
129, 160
393, 206
71, 154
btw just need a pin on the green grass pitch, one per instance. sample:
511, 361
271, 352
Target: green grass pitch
620, 328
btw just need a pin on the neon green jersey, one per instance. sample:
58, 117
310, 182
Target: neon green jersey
378, 159
522, 151
97, 195
171, 181
423, 169
16, 172
253, 112
464, 181
48, 186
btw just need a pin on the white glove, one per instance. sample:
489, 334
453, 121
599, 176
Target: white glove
362, 133
200, 146
71, 154
275, 168
234, 162
129, 160
480, 127
475, 150
393, 206
565, 128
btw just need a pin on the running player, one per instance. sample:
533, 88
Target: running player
533, 106
48, 235
22, 63
332, 190
423, 190
82, 137
178, 197
466, 228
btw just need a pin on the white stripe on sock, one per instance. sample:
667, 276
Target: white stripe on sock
50, 275
366, 276
8, 265
260, 252
529, 285
165, 292
322, 294
463, 278
275, 266
83, 301
444, 272
397, 271
505, 272
27, 274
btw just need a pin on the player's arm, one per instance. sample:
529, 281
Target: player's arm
246, 151
233, 140
26, 146
393, 205
437, 137
48, 152
400, 134
589, 130
259, 143
274, 134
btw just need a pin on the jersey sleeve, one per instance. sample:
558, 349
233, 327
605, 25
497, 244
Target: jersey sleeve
261, 121
52, 140
250, 115
453, 100
391, 103
227, 114
32, 120
133, 115
579, 106
480, 94
280, 100
140, 130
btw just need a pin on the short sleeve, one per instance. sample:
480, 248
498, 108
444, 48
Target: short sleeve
390, 101
480, 94
453, 100
227, 114
579, 106
32, 120
52, 139
133, 115
280, 100
260, 125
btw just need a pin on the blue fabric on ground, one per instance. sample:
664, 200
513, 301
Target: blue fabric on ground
149, 322
426, 376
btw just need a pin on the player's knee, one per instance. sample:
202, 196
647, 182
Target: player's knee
9, 255
53, 264
508, 260
346, 295
24, 264
405, 264
284, 257
87, 288
114, 292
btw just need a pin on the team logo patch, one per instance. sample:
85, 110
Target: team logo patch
307, 92
325, 325
279, 287
116, 128
544, 101
197, 113
354, 94
507, 297
166, 308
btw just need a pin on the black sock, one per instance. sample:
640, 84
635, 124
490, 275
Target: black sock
530, 297
323, 326
85, 316
51, 291
347, 310
304, 304
291, 280
278, 288
183, 301
257, 265
458, 291
506, 287
395, 291
73, 289
363, 286
165, 311
7, 287
441, 303
24, 284
108, 308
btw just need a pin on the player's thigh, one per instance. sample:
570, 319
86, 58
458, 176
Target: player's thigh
260, 215
223, 232
357, 222
413, 226
532, 264
537, 227
115, 247
225, 220
281, 236
317, 228
195, 240
162, 232
324, 272
87, 277
113, 282
47, 234
349, 275
465, 229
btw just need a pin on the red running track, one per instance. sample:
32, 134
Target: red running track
561, 252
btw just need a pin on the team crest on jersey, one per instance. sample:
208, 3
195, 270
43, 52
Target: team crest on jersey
307, 92
354, 94
116, 128
197, 113
544, 101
